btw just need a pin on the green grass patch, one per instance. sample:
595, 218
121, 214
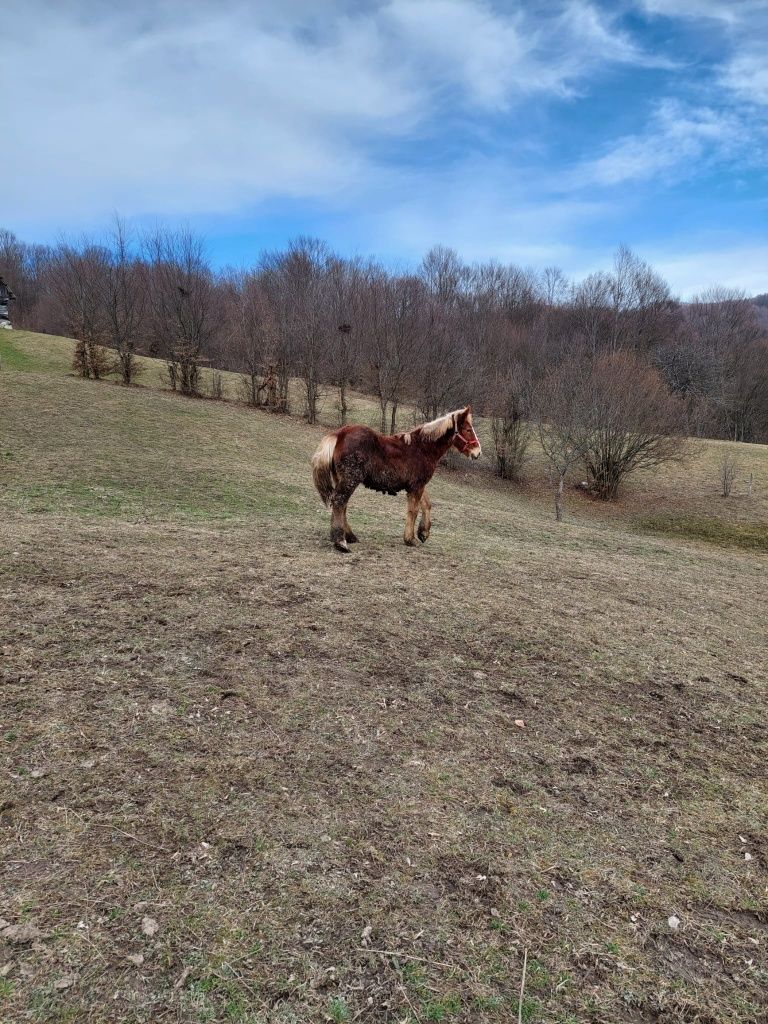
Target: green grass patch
338, 1010
11, 357
442, 1009
751, 536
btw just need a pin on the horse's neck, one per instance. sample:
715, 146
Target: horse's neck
436, 448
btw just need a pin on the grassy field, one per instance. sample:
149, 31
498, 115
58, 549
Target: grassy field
247, 779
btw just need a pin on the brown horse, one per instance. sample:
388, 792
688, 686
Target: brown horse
388, 463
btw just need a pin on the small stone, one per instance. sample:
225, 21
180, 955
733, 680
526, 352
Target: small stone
520, 723
66, 982
136, 958
479, 675
673, 922
149, 926
19, 934
747, 856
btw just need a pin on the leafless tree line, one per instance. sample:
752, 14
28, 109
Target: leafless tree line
605, 370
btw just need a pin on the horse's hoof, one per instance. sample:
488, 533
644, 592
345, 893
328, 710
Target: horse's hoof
423, 537
410, 543
341, 546
351, 538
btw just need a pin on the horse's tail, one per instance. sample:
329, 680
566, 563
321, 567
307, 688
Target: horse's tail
322, 467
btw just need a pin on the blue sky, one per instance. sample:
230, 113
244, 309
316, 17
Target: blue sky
540, 133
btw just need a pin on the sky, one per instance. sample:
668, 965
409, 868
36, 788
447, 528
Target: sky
540, 133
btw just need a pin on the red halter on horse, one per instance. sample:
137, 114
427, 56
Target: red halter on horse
388, 463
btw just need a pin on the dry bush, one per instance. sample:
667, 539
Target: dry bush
728, 473
216, 385
511, 438
92, 360
628, 421
510, 422
613, 415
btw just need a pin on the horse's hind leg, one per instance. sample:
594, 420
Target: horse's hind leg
349, 536
414, 499
339, 524
425, 523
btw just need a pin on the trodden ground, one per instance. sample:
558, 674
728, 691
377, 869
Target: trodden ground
246, 778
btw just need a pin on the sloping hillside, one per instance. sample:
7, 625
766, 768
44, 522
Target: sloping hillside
248, 779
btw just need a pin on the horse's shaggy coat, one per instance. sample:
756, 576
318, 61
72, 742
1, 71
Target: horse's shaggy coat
388, 463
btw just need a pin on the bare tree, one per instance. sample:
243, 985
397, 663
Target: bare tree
436, 338
78, 286
558, 405
296, 284
182, 304
728, 343
393, 315
122, 298
510, 421
344, 280
590, 308
27, 268
251, 334
443, 361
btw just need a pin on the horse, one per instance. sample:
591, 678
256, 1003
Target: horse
388, 463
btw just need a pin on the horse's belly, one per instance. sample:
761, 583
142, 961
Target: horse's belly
385, 483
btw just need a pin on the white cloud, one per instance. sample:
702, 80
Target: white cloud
744, 24
744, 266
728, 11
676, 139
483, 210
178, 108
747, 76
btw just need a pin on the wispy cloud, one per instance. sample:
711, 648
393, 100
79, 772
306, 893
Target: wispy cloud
385, 124
185, 108
674, 143
731, 12
481, 209
734, 266
744, 69
747, 75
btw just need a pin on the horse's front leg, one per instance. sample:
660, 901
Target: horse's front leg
414, 500
425, 523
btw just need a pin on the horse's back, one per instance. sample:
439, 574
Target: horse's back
372, 459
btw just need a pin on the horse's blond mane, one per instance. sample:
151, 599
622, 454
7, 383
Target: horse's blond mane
438, 428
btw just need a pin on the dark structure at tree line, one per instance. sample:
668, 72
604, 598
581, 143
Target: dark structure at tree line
446, 334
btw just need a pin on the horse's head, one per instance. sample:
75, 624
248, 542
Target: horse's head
465, 440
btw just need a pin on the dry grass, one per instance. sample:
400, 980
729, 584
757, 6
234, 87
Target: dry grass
293, 761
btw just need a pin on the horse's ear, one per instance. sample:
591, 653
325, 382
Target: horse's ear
464, 414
